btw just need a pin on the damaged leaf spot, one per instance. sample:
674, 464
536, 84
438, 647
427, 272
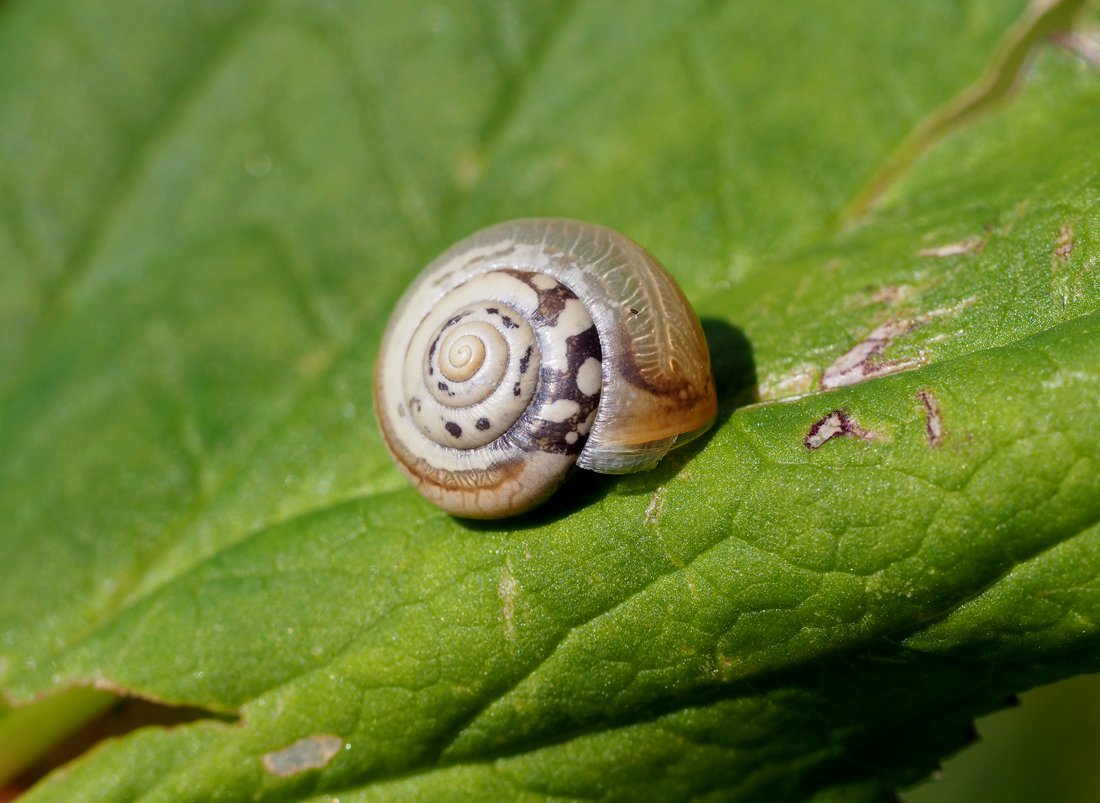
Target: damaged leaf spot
796, 382
971, 245
859, 364
891, 294
507, 589
1064, 246
310, 753
933, 419
1084, 47
835, 425
653, 509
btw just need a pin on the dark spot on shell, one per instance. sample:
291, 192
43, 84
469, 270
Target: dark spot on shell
554, 436
525, 360
492, 310
508, 322
482, 423
453, 428
455, 319
515, 389
633, 311
551, 300
442, 386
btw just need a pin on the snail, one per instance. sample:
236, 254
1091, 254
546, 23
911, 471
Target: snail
532, 346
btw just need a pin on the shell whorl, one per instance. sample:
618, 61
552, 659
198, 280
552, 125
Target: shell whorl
528, 347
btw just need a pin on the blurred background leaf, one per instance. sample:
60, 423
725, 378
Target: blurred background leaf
1043, 750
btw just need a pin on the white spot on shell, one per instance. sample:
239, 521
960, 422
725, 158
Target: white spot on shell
589, 378
543, 282
586, 425
573, 319
571, 437
560, 410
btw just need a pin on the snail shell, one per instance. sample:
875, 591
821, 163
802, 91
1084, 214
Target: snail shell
531, 346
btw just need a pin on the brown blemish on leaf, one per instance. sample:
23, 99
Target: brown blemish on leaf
859, 363
1063, 247
653, 509
891, 294
310, 753
1084, 47
727, 667
933, 418
793, 383
943, 336
971, 245
835, 425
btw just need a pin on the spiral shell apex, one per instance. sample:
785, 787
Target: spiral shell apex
530, 347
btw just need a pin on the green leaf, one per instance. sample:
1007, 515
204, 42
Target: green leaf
210, 209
